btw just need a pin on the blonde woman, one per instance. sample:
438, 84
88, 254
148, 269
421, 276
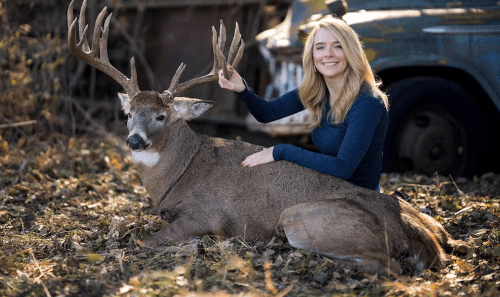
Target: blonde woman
349, 112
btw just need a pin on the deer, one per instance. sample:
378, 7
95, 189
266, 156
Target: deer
197, 185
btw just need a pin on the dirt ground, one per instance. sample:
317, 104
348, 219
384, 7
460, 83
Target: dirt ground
72, 211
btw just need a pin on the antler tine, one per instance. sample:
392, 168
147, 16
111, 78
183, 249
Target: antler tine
70, 13
82, 51
219, 63
239, 55
82, 25
216, 67
134, 86
222, 36
97, 31
177, 77
234, 43
233, 56
103, 41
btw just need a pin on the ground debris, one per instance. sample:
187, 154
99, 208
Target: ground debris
70, 221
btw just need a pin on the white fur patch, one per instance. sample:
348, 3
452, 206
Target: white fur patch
149, 159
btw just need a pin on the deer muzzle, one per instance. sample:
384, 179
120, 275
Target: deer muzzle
136, 142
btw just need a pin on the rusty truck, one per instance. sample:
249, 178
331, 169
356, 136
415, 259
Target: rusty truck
439, 62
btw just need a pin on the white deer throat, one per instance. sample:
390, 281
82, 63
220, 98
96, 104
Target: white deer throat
147, 158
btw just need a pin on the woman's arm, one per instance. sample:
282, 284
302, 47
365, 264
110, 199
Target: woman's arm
264, 111
362, 122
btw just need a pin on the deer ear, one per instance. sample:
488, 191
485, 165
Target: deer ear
189, 108
125, 99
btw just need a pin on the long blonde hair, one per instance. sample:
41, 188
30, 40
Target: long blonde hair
312, 90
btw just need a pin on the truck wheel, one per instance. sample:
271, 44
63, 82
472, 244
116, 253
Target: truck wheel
434, 126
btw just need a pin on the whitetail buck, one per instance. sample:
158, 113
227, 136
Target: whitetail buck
196, 182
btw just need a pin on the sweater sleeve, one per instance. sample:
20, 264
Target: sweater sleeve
268, 111
362, 121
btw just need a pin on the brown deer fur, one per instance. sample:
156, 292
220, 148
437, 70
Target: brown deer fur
198, 185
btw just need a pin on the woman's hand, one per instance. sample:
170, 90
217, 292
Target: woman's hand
263, 157
234, 84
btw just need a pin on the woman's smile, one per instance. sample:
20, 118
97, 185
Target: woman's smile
329, 58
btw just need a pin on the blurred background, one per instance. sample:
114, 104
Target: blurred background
439, 62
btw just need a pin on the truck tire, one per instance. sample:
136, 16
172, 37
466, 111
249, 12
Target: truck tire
434, 127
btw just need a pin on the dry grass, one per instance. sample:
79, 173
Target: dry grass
71, 213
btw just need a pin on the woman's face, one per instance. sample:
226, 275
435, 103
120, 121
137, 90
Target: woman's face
328, 56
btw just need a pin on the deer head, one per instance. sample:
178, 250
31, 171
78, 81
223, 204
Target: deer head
149, 112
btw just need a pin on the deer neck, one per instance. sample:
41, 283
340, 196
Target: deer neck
159, 171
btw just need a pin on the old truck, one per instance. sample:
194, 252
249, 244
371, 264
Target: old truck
439, 62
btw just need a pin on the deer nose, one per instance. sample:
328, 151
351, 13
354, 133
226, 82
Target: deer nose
136, 142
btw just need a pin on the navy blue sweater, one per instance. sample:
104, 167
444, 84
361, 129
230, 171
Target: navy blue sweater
351, 150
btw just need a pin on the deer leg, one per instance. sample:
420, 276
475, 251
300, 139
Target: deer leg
177, 231
444, 238
339, 229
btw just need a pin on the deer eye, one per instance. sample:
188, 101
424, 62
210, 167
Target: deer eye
160, 118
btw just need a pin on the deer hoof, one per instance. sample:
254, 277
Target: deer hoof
149, 243
460, 247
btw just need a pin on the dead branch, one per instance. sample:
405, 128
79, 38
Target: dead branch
18, 124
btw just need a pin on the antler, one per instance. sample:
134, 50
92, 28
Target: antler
234, 58
82, 51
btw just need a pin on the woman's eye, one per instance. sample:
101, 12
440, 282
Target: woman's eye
160, 118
